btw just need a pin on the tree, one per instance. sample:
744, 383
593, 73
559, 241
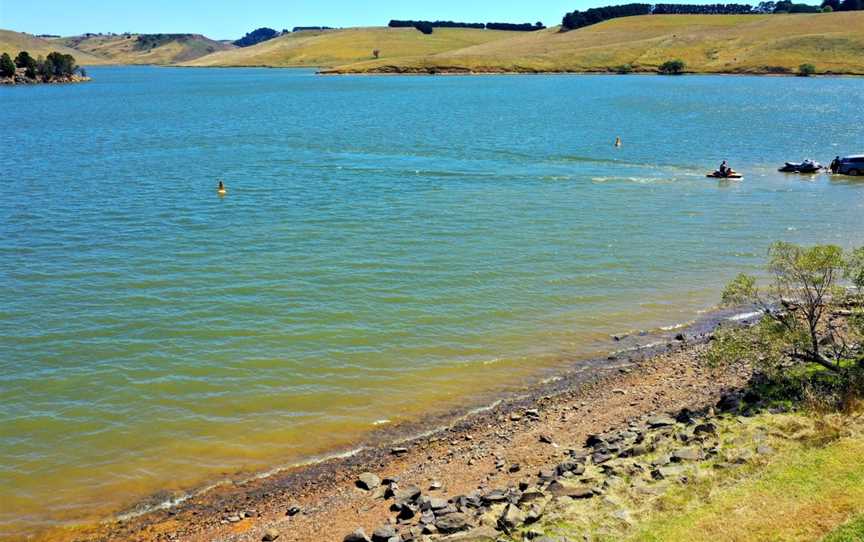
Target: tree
45, 68
24, 60
256, 36
798, 311
424, 27
7, 67
806, 70
672, 67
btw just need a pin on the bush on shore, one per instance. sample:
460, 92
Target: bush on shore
672, 67
806, 70
811, 331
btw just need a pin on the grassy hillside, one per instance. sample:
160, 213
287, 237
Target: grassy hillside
14, 42
335, 47
833, 42
146, 48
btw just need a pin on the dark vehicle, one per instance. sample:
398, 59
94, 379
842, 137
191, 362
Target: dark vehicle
851, 165
807, 166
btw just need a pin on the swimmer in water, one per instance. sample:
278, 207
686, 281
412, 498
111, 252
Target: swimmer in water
618, 141
221, 188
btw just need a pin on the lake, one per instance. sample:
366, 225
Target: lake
389, 247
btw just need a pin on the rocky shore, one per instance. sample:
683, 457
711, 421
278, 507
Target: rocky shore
21, 79
486, 474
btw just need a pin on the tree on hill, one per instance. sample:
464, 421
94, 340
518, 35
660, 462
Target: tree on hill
62, 65
806, 70
424, 27
7, 67
256, 36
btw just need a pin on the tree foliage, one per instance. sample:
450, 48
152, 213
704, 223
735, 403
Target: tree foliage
672, 67
806, 70
7, 67
256, 36
800, 310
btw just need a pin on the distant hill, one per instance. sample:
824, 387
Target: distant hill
15, 42
145, 48
335, 47
833, 42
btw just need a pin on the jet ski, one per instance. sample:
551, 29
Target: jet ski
807, 166
730, 174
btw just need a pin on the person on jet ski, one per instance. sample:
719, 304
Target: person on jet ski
835, 164
723, 169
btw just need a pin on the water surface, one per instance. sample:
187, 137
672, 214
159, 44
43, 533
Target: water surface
388, 246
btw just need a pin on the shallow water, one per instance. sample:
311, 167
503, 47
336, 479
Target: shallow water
388, 246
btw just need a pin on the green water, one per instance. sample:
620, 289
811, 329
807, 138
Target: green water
388, 247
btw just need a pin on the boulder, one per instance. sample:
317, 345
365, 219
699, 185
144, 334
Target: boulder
270, 535
687, 454
357, 536
660, 421
383, 533
452, 523
510, 518
560, 490
368, 481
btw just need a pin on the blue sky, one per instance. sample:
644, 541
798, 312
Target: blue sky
223, 19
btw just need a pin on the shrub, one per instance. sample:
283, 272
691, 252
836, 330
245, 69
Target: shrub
806, 70
672, 67
624, 69
7, 67
24, 60
799, 310
827, 9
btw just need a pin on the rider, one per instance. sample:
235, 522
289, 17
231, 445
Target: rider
835, 164
723, 169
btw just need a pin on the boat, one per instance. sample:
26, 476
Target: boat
806, 166
731, 174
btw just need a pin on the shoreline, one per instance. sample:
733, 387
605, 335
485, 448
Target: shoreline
322, 480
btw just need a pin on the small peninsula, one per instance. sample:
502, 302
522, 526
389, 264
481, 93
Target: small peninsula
26, 70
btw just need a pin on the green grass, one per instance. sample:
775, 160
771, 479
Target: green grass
802, 495
852, 531
832, 42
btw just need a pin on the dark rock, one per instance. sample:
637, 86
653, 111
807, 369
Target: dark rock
452, 523
729, 402
293, 511
510, 518
663, 473
570, 466
660, 421
594, 440
368, 481
270, 535
530, 495
685, 416
546, 439
560, 490
494, 496
399, 450
546, 474
680, 337
357, 536
599, 458
406, 512
383, 533
406, 495
514, 468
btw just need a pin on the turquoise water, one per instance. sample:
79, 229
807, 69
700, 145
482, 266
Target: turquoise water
388, 246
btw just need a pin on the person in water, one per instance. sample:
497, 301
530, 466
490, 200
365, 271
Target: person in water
835, 165
221, 187
618, 141
723, 169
